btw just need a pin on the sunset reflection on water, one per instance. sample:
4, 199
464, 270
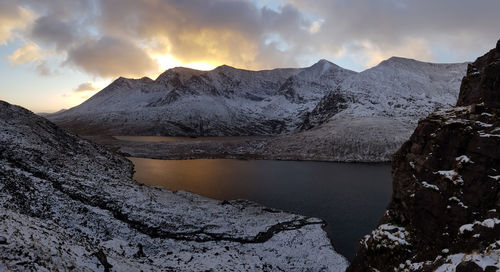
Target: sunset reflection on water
350, 197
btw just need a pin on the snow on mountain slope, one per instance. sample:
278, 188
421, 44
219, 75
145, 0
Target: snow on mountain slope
404, 88
224, 101
399, 88
67, 204
371, 114
356, 116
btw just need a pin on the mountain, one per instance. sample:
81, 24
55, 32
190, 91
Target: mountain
322, 112
445, 208
370, 114
224, 101
68, 204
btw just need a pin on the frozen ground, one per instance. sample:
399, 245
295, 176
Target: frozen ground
69, 204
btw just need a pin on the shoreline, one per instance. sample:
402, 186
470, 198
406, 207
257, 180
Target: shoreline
245, 148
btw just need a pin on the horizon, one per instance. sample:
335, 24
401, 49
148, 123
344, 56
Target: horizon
51, 61
270, 69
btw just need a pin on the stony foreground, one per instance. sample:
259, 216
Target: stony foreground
69, 204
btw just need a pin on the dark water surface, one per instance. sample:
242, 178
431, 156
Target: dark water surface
156, 139
350, 197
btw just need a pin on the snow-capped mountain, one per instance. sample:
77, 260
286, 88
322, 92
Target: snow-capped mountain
370, 114
322, 112
399, 88
224, 101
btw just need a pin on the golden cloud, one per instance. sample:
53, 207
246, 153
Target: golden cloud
13, 17
30, 52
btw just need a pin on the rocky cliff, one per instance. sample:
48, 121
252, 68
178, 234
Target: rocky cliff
67, 204
445, 209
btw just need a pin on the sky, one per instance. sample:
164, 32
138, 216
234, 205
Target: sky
55, 54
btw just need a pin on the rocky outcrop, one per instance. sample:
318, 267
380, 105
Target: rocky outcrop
68, 204
482, 83
445, 209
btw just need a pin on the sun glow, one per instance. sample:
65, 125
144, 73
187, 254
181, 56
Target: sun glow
167, 61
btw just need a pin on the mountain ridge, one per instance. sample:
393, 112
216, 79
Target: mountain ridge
303, 106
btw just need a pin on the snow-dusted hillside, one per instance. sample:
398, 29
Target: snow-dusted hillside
67, 204
399, 88
371, 114
322, 112
224, 101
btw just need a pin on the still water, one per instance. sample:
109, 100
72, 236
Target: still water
350, 197
157, 139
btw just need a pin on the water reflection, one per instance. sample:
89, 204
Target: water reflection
156, 139
350, 197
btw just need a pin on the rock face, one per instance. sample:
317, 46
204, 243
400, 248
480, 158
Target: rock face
445, 209
482, 84
67, 204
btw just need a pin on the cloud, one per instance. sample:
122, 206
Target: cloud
371, 54
43, 68
110, 38
86, 87
51, 31
222, 31
111, 57
30, 52
462, 29
12, 17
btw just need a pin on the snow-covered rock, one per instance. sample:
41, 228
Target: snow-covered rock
444, 208
66, 204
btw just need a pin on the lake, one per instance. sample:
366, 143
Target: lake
157, 139
350, 197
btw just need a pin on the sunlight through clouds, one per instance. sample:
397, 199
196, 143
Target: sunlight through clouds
13, 18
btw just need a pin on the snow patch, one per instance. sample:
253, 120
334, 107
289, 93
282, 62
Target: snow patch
430, 186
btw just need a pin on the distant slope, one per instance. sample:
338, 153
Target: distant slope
321, 112
371, 114
67, 204
224, 101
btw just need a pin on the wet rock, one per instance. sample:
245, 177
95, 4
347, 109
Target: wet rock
468, 266
101, 256
491, 268
140, 252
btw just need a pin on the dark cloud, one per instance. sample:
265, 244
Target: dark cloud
109, 57
462, 28
108, 38
52, 31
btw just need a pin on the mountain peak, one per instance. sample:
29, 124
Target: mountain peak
224, 67
399, 60
324, 61
322, 66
